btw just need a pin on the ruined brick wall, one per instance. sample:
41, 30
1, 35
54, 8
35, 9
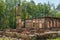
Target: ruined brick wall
40, 23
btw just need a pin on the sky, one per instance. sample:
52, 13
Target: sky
55, 2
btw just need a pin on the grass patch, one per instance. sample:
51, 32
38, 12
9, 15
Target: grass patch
55, 39
6, 38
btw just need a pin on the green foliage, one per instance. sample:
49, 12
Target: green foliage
58, 14
58, 7
2, 15
36, 11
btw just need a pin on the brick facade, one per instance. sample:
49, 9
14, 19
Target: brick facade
45, 22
